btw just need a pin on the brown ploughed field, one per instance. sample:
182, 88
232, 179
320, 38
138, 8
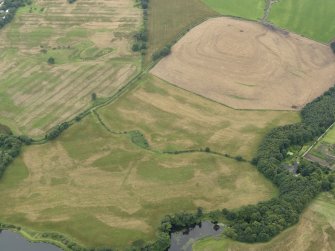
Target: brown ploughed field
247, 65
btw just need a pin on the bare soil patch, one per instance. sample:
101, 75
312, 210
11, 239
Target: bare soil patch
246, 65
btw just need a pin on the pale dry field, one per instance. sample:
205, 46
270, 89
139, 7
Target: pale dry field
91, 43
102, 190
172, 118
246, 65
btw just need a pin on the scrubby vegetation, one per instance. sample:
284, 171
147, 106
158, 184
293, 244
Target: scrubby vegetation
10, 147
162, 53
332, 46
266, 219
8, 9
56, 131
141, 37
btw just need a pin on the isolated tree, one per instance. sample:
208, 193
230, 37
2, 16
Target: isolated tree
94, 96
51, 60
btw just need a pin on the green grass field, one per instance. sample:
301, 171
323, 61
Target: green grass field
315, 231
168, 20
106, 185
330, 136
249, 9
90, 42
313, 19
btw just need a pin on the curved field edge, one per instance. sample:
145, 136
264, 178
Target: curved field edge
315, 231
168, 21
134, 102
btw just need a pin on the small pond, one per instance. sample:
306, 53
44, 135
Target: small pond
182, 241
10, 241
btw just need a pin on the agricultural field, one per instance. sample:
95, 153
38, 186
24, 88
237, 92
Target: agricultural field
246, 65
163, 139
102, 171
249, 9
315, 231
299, 16
169, 20
90, 42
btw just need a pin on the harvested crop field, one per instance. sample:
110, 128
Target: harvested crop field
102, 190
102, 181
246, 65
91, 44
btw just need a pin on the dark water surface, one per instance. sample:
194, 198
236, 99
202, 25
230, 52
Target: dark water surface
10, 241
182, 241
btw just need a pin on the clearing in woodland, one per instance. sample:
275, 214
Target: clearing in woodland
315, 231
247, 65
90, 42
107, 181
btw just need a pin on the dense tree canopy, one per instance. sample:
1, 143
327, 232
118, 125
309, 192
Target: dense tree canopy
8, 10
261, 222
10, 147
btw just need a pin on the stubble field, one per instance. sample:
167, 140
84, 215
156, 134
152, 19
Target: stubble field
101, 186
90, 42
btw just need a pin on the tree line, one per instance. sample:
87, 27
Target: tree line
141, 37
261, 222
10, 147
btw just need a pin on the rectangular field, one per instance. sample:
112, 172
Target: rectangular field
90, 42
103, 187
313, 19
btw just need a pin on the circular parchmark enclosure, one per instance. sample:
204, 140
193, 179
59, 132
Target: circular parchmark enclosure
247, 65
